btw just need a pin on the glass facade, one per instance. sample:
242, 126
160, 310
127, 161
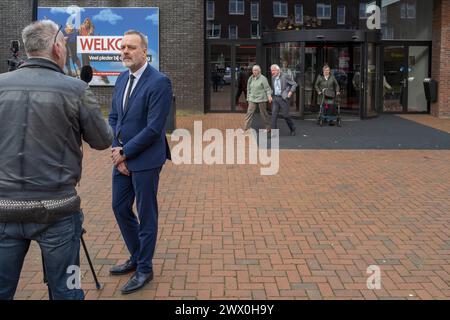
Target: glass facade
407, 20
375, 70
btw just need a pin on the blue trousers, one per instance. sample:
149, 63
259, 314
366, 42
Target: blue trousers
139, 236
60, 247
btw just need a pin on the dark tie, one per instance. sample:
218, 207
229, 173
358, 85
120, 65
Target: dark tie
130, 86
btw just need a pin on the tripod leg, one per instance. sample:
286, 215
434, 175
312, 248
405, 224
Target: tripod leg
97, 284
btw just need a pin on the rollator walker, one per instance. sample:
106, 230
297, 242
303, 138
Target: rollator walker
322, 117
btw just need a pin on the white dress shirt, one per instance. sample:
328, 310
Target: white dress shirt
277, 86
137, 75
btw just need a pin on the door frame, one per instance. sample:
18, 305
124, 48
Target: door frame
320, 55
378, 80
406, 45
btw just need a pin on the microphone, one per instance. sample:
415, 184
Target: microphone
86, 74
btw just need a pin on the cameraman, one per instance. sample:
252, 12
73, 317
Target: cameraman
44, 116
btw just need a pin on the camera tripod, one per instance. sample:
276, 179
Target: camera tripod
97, 283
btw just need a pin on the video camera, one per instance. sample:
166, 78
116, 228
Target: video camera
14, 62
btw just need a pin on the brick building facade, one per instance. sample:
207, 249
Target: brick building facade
181, 42
441, 57
184, 37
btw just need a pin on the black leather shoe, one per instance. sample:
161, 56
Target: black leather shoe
136, 282
125, 268
293, 132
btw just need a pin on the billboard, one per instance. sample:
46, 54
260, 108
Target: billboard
93, 37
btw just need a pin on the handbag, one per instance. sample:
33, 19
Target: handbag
330, 94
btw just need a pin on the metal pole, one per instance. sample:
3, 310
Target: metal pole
34, 10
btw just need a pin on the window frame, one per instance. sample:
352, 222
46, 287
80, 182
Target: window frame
341, 6
323, 6
208, 18
211, 34
280, 4
298, 5
235, 11
361, 4
229, 31
252, 5
251, 30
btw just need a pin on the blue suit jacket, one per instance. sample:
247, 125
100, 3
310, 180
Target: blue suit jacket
142, 126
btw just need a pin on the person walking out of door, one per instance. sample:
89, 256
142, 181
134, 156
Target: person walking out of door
283, 89
258, 94
327, 81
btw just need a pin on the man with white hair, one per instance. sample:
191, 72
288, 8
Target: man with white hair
283, 88
44, 116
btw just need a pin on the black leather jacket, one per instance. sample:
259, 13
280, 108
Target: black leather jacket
44, 116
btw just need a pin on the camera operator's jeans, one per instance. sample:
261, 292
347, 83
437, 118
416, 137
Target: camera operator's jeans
60, 247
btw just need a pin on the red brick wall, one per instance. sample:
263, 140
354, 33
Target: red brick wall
441, 57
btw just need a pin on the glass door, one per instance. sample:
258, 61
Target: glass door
394, 79
418, 70
405, 68
312, 69
372, 83
220, 76
229, 67
245, 60
344, 61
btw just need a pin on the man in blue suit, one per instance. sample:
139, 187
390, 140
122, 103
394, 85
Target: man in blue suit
141, 102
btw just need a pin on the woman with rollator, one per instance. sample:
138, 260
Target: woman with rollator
328, 86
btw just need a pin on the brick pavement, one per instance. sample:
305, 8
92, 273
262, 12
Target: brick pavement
310, 232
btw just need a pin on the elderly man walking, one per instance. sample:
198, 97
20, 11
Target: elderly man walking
283, 88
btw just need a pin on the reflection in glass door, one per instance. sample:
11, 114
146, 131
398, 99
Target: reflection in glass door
418, 59
394, 81
372, 80
344, 61
220, 65
311, 69
245, 60
405, 68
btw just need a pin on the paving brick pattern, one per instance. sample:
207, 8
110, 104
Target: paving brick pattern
310, 232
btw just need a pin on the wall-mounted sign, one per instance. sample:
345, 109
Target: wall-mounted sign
93, 37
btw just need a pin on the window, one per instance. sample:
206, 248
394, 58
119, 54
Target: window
210, 10
403, 11
236, 7
341, 15
280, 9
254, 10
299, 14
388, 33
233, 32
323, 11
363, 10
255, 29
411, 10
384, 15
213, 30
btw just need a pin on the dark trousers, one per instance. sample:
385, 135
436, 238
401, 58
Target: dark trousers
277, 104
139, 236
239, 92
60, 247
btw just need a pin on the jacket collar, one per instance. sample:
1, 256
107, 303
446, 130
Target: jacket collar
41, 63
